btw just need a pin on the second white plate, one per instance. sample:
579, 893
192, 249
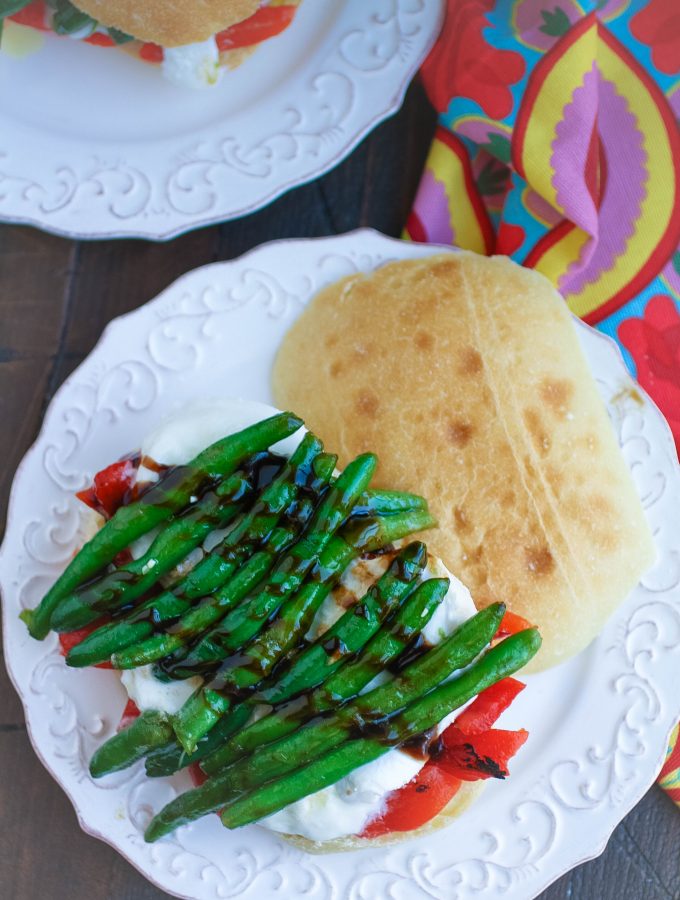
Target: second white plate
96, 144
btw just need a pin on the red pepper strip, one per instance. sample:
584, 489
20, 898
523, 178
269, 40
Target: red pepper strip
122, 558
100, 40
152, 53
439, 780
486, 707
111, 487
474, 756
267, 22
416, 803
130, 713
32, 15
511, 624
70, 639
197, 774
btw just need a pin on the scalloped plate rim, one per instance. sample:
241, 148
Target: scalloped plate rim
392, 103
356, 235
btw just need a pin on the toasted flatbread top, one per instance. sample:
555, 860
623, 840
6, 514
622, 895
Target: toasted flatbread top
169, 23
465, 375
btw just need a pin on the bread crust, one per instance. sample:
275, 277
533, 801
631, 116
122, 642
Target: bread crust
465, 375
466, 795
170, 23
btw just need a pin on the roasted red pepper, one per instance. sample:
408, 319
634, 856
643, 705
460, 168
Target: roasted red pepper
267, 22
100, 40
70, 639
152, 53
32, 15
468, 750
130, 713
111, 487
416, 803
197, 774
511, 624
481, 755
486, 707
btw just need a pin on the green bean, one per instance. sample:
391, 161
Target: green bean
409, 568
385, 503
297, 474
247, 577
117, 635
387, 645
172, 544
149, 730
500, 662
244, 623
168, 496
348, 635
206, 707
216, 567
370, 716
396, 636
353, 540
198, 619
172, 757
318, 735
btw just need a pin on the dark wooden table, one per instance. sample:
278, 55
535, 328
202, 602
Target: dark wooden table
56, 296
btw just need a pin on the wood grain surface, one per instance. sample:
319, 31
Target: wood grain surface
56, 296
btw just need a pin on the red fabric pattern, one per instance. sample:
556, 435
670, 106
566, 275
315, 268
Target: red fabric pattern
464, 64
654, 343
658, 25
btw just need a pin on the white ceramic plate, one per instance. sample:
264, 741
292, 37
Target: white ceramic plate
96, 144
598, 723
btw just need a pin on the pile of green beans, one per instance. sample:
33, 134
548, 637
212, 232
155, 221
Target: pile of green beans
358, 732
241, 617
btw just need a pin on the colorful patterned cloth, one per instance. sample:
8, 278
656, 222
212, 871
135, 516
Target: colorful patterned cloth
558, 145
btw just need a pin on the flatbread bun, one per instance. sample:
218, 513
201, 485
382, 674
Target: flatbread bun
169, 23
467, 793
465, 375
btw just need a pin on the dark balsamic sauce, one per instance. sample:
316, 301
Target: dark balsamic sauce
258, 471
419, 746
375, 554
417, 648
335, 648
148, 462
266, 468
483, 764
379, 729
179, 665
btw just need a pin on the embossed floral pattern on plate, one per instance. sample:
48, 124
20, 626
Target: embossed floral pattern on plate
594, 749
77, 158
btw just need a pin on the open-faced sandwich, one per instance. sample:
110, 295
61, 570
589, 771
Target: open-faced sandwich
277, 631
192, 42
